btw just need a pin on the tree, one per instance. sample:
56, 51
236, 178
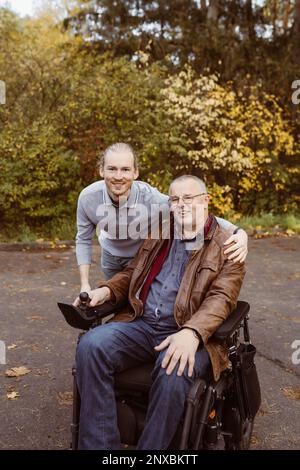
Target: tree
297, 20
67, 101
242, 144
39, 174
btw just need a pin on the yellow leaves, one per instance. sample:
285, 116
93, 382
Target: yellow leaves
212, 121
143, 57
245, 183
221, 198
65, 398
290, 232
12, 395
17, 371
291, 392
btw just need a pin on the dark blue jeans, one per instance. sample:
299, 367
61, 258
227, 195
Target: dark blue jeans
111, 265
114, 347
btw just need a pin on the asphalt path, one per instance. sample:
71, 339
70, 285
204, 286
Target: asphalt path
35, 408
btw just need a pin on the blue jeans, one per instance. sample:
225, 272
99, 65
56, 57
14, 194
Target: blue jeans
114, 347
111, 264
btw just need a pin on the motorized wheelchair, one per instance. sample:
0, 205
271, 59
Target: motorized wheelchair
218, 414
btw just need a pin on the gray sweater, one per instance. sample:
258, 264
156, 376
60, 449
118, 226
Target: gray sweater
120, 230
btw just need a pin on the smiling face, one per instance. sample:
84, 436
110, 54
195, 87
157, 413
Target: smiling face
190, 213
119, 173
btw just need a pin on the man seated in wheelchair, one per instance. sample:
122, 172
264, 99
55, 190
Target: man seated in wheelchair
179, 289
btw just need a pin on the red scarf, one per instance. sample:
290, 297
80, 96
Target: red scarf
160, 258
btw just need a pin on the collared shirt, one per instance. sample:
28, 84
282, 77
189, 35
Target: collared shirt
120, 229
159, 305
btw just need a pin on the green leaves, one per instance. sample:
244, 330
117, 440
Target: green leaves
66, 102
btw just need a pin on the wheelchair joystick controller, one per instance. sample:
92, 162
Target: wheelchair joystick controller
84, 300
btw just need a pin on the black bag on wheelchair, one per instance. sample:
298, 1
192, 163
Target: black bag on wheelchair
249, 382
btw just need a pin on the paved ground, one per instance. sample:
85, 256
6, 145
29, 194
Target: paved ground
37, 337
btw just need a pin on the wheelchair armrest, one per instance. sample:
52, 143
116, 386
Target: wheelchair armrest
85, 319
233, 321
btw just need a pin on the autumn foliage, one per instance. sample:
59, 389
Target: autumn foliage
67, 101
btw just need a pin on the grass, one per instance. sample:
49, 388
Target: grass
65, 230
290, 222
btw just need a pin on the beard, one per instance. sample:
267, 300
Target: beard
119, 188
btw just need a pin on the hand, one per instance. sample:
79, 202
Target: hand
239, 247
99, 296
182, 347
84, 288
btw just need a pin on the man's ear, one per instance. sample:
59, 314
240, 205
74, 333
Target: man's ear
136, 174
101, 172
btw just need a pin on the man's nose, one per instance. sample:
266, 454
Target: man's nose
181, 203
119, 174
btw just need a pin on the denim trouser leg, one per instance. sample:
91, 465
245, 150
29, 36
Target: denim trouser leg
167, 401
101, 352
111, 265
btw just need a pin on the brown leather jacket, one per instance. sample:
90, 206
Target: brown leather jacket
208, 292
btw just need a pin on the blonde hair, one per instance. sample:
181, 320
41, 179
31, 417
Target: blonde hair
115, 148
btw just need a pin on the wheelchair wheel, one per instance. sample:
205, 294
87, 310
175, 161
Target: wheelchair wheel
241, 432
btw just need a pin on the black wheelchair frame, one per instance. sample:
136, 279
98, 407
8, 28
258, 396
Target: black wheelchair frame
214, 409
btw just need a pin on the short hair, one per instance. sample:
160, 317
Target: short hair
118, 147
201, 183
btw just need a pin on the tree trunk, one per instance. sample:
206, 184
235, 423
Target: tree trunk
286, 16
213, 10
274, 18
297, 20
250, 22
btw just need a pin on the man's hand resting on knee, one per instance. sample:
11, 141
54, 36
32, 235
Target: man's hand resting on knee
97, 296
182, 347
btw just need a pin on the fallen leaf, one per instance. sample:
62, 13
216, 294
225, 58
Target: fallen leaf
12, 346
291, 392
254, 440
12, 395
35, 317
17, 371
65, 398
294, 276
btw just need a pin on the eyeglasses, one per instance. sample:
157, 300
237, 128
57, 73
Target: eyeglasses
187, 199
